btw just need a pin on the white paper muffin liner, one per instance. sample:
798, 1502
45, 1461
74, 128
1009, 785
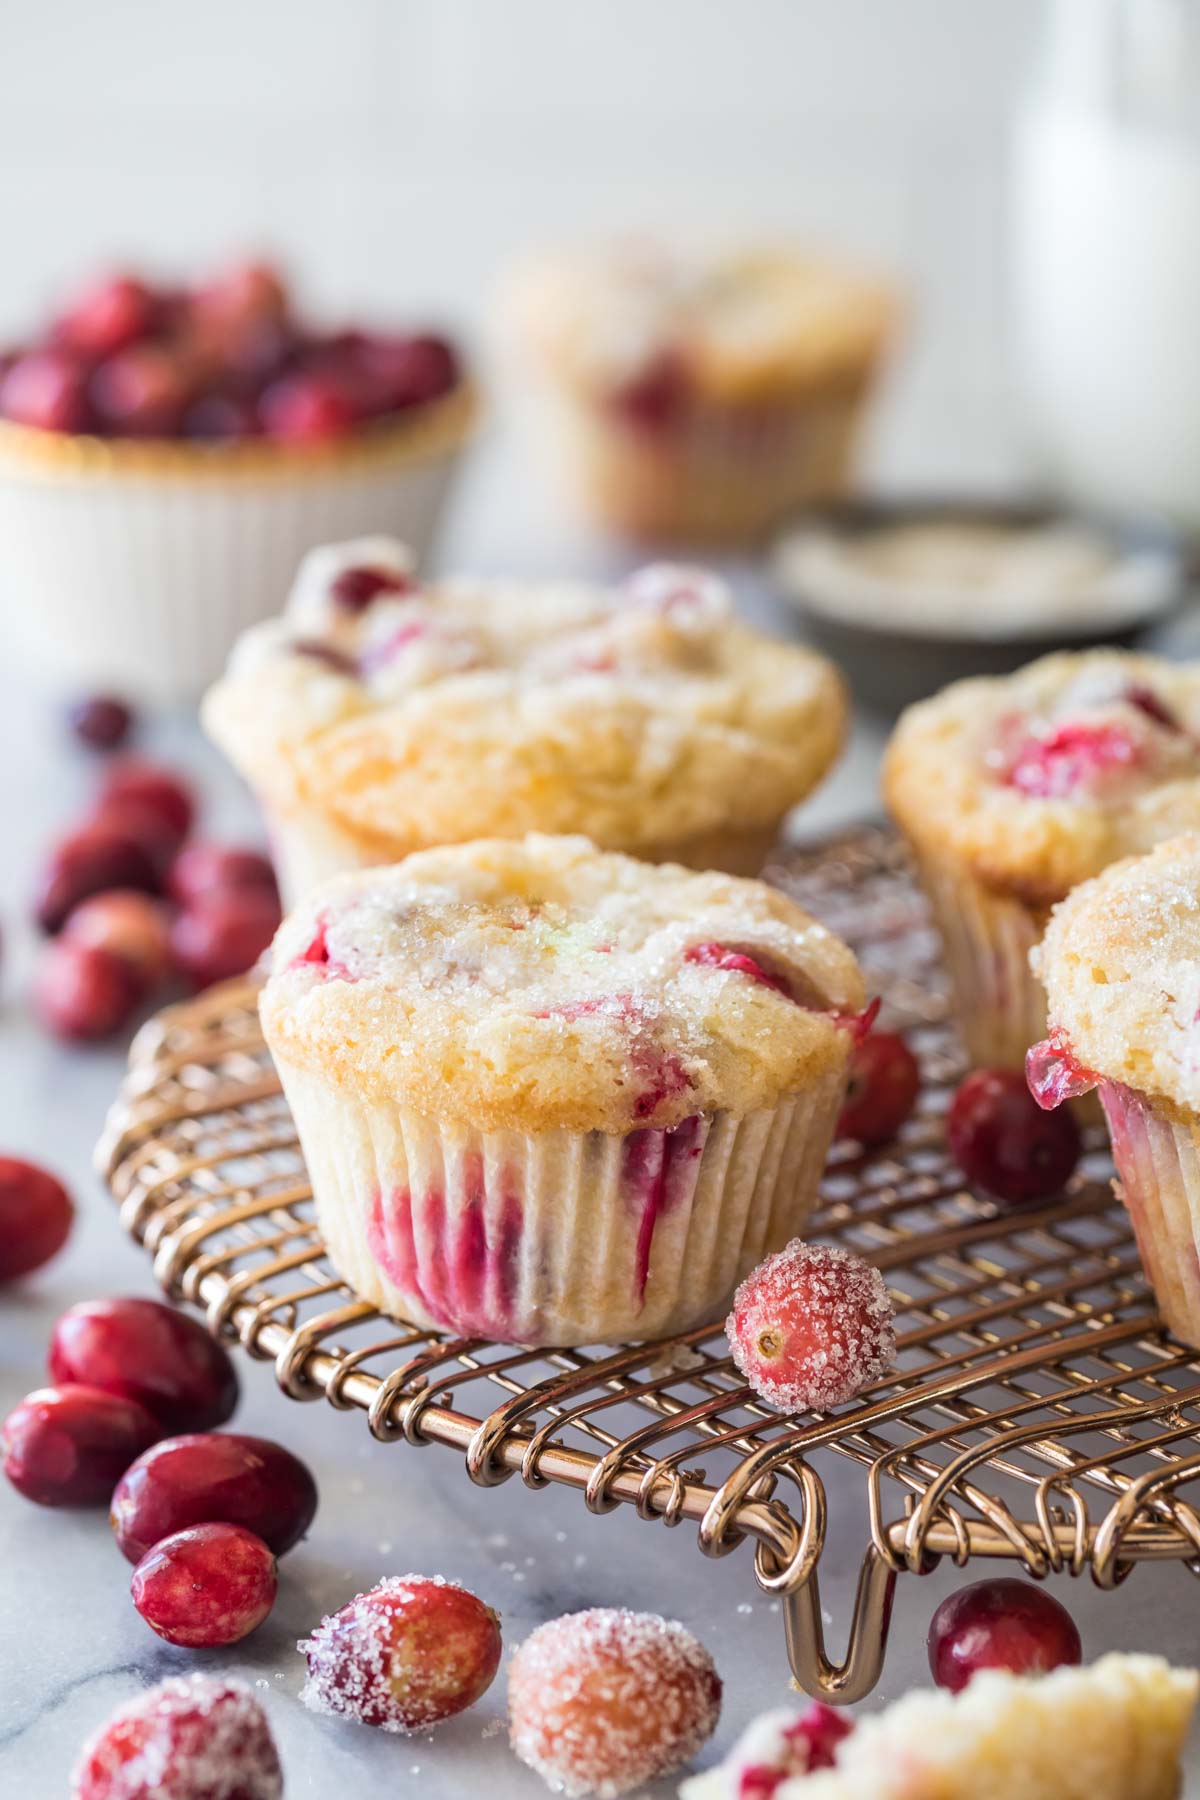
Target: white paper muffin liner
556, 1237
1158, 1161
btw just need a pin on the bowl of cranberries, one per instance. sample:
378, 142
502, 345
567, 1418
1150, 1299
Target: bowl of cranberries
168, 454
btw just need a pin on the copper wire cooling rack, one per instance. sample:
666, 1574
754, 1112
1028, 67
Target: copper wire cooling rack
1038, 1412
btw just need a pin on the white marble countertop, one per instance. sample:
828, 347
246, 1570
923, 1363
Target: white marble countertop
71, 1646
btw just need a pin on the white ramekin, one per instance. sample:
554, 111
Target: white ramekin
137, 564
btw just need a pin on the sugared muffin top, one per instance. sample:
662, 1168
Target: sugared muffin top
541, 983
415, 715
1039, 780
1120, 961
735, 326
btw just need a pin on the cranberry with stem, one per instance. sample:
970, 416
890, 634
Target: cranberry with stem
1002, 1139
881, 1089
197, 1737
212, 1584
36, 1214
1000, 1624
221, 1475
151, 1353
69, 1446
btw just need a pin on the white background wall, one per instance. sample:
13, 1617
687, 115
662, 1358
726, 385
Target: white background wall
399, 151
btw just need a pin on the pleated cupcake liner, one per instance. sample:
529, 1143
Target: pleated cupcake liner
1158, 1162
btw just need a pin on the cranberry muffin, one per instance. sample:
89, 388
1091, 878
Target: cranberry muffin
381, 716
557, 1096
1013, 789
702, 398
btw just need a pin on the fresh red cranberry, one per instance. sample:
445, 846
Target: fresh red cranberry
83, 992
248, 293
655, 400
140, 392
89, 861
35, 1217
209, 1585
224, 934
881, 1090
48, 389
1000, 1624
159, 791
220, 418
102, 722
111, 314
410, 371
354, 589
201, 870
306, 409
197, 1737
1000, 1138
1054, 766
405, 1656
69, 1446
723, 956
811, 1327
129, 925
213, 1475
151, 1353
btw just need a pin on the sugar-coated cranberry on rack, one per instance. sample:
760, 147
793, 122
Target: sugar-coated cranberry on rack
1005, 1142
196, 1737
36, 1214
84, 992
811, 1327
881, 1089
205, 1586
409, 1653
101, 721
130, 925
151, 1353
104, 854
70, 1445
221, 1475
1000, 1624
606, 1700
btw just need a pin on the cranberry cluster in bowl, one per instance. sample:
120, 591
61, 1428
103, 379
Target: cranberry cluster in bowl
227, 360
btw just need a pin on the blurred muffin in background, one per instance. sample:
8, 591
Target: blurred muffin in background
382, 715
702, 399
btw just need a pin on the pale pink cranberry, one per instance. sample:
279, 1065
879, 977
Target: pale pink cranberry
207, 1475
224, 934
1002, 1139
1068, 757
306, 409
606, 1700
35, 1217
83, 992
92, 860
130, 925
881, 1089
136, 782
69, 1446
199, 1737
220, 418
354, 589
209, 1585
1000, 1624
151, 1353
408, 1654
811, 1327
109, 315
140, 392
203, 869
48, 389
102, 721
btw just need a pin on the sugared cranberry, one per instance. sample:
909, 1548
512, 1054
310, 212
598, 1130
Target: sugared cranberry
1068, 757
354, 589
35, 1217
69, 1446
1000, 1624
220, 418
131, 926
157, 790
213, 1475
204, 869
46, 388
151, 1353
83, 992
224, 935
655, 400
109, 315
102, 722
408, 1654
410, 371
306, 409
194, 1738
97, 857
1000, 1138
811, 1327
606, 1700
211, 1584
881, 1089
140, 392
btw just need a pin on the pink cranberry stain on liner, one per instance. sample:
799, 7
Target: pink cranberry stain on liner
354, 589
658, 1173
1054, 1075
459, 1264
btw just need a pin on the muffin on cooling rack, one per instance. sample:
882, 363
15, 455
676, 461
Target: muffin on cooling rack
557, 1096
381, 716
1013, 789
702, 398
1121, 965
1114, 1731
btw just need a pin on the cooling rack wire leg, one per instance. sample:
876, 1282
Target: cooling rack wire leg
812, 1670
